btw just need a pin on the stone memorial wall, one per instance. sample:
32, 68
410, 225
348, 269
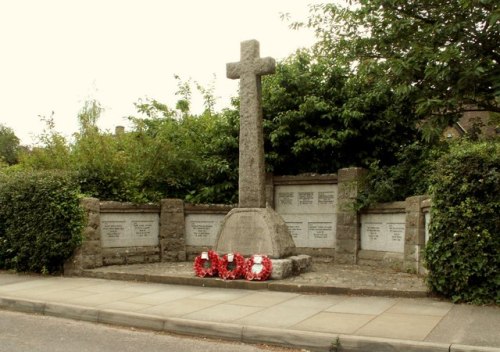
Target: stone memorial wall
313, 207
309, 212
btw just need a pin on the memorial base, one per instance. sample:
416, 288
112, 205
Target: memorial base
255, 231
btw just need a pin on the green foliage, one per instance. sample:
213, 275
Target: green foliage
54, 153
408, 176
443, 56
319, 118
463, 252
192, 157
9, 145
40, 221
166, 153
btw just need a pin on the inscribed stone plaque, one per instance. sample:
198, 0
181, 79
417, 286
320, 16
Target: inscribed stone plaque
310, 212
129, 229
383, 232
202, 229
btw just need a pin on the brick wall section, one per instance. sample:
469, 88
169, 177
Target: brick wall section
172, 230
350, 182
414, 233
89, 254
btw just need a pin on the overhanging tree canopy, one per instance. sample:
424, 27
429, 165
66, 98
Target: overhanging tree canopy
444, 54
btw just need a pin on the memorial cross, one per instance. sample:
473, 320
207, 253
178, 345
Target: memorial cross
251, 183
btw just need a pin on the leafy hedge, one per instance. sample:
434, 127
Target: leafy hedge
40, 221
463, 253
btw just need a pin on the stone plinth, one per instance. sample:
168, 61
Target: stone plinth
255, 231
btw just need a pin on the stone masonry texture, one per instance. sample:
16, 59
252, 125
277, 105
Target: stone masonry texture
251, 160
348, 225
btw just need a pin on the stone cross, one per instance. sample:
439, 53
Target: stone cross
251, 67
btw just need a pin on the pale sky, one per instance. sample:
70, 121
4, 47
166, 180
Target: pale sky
55, 54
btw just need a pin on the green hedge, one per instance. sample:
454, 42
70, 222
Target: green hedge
40, 221
463, 253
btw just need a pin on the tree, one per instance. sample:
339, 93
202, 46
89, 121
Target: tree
442, 55
9, 145
320, 117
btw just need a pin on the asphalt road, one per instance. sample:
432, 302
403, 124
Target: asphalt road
35, 333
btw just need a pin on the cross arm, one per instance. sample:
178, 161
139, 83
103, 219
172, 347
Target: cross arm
265, 66
233, 70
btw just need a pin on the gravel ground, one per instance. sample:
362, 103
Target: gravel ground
322, 274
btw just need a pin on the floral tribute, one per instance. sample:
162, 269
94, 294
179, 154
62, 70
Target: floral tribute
206, 264
231, 266
258, 268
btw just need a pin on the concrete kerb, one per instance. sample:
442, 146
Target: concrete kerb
355, 343
464, 348
313, 341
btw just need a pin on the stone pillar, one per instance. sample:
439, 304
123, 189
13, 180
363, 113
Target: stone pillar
172, 231
350, 182
89, 254
414, 233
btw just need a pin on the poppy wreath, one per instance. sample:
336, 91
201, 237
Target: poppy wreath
258, 268
231, 266
206, 264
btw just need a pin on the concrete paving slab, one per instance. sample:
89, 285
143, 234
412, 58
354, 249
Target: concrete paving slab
400, 326
62, 295
423, 306
279, 316
164, 296
106, 286
32, 293
469, 325
144, 288
9, 279
363, 305
263, 299
222, 294
224, 313
179, 307
338, 323
313, 302
25, 285
73, 281
101, 298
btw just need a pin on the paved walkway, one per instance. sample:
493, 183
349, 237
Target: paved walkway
312, 322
